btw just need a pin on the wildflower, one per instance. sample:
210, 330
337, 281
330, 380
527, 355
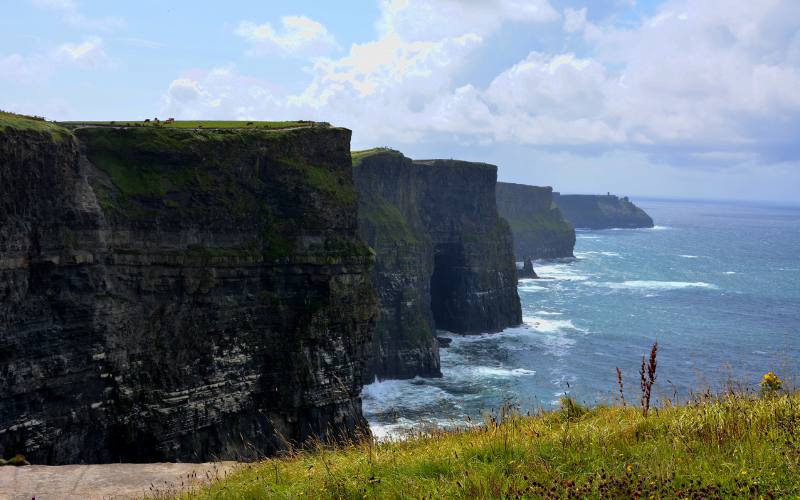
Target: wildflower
744, 472
770, 383
630, 468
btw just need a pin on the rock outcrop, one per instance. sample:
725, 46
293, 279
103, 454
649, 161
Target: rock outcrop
444, 257
588, 211
540, 230
172, 294
527, 271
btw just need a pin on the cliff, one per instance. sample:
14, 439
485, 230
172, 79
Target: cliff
588, 211
176, 294
444, 257
539, 228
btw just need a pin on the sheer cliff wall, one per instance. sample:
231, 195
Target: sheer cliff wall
587, 211
173, 294
539, 228
444, 257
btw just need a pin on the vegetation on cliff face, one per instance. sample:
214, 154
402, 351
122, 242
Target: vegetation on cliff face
731, 446
540, 229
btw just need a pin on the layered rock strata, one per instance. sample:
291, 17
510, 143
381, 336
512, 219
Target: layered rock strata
172, 294
444, 257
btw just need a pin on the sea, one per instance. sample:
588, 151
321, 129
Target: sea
716, 284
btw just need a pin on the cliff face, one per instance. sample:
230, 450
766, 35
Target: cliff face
540, 230
444, 257
178, 295
589, 211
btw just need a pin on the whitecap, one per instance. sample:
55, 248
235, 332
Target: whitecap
559, 272
500, 372
549, 313
588, 253
529, 285
689, 256
546, 325
407, 394
654, 285
729, 272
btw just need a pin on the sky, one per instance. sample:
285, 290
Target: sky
672, 98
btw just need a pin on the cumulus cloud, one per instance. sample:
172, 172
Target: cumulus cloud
299, 35
695, 82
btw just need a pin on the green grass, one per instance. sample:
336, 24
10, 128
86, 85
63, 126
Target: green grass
385, 219
192, 124
734, 446
359, 156
30, 123
551, 222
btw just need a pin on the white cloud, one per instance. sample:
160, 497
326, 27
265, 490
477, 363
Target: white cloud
56, 4
694, 82
21, 69
300, 36
39, 67
89, 54
72, 15
574, 19
426, 20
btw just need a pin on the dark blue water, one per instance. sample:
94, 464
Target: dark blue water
716, 284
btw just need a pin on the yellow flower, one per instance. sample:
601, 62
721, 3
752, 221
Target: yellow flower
770, 382
630, 467
744, 472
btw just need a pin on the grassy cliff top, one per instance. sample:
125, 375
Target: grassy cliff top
455, 163
732, 446
359, 156
34, 123
194, 124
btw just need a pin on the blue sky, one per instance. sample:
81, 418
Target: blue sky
677, 98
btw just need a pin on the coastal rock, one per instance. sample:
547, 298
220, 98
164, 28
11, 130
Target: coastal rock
527, 271
539, 228
588, 211
444, 256
171, 294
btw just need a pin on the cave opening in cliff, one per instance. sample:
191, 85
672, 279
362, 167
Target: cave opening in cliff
446, 282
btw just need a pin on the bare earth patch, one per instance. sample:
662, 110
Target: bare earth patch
106, 481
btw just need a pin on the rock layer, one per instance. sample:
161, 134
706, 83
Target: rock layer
588, 211
444, 256
539, 228
178, 294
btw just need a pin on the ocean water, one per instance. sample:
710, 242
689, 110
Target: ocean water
716, 284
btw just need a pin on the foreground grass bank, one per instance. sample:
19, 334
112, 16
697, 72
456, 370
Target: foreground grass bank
722, 447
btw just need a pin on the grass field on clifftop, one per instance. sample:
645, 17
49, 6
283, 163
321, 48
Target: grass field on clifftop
733, 446
208, 124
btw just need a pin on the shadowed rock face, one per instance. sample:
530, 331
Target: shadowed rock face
539, 228
444, 257
588, 211
178, 295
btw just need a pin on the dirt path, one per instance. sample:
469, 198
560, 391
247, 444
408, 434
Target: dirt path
106, 481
